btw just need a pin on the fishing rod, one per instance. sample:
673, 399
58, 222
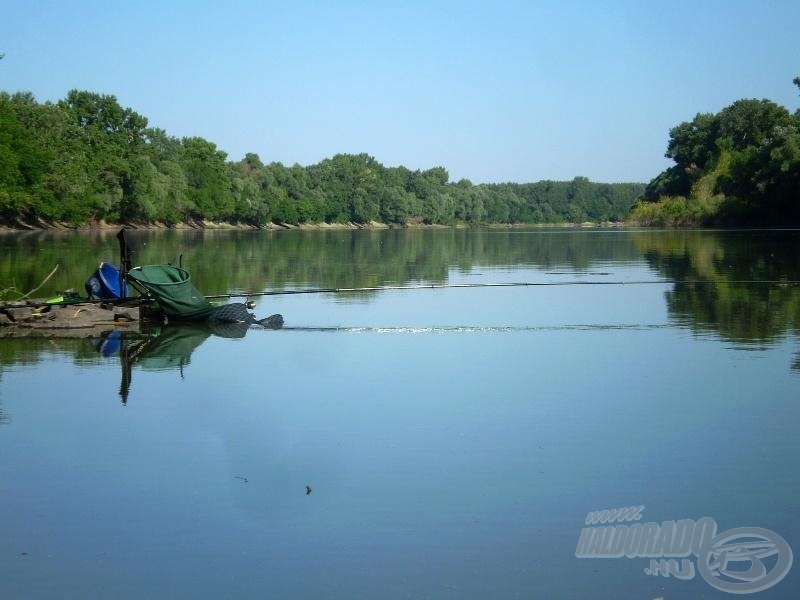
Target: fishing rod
128, 301
475, 328
136, 300
429, 286
422, 286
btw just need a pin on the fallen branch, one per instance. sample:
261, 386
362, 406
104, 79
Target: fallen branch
46, 279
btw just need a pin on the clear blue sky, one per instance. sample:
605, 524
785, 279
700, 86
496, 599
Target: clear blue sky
517, 91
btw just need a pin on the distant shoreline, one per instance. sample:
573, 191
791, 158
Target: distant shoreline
41, 225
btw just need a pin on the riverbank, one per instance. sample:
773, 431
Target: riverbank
41, 225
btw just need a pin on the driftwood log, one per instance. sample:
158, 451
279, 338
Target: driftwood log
23, 318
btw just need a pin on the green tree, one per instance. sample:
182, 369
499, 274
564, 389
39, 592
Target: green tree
469, 202
166, 154
738, 166
751, 122
350, 183
692, 145
430, 188
208, 179
250, 185
115, 137
23, 160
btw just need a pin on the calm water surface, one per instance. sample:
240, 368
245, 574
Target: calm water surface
454, 440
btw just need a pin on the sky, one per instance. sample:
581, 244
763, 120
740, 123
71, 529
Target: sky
492, 91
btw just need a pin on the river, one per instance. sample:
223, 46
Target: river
426, 443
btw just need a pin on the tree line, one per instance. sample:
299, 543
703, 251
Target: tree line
740, 166
86, 158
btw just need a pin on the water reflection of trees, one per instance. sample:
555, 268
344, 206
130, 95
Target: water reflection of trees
706, 268
28, 352
703, 264
254, 260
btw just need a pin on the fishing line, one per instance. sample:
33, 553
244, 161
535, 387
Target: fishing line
429, 286
476, 329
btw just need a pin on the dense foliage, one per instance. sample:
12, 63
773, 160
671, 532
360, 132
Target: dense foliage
739, 166
86, 158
